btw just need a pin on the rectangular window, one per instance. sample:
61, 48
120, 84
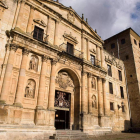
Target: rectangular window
70, 48
139, 45
110, 88
122, 94
122, 41
120, 75
123, 110
127, 57
92, 59
135, 42
111, 106
38, 33
109, 70
112, 45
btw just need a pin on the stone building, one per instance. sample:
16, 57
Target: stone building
55, 73
126, 46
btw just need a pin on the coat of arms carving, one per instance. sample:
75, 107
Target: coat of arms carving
71, 16
64, 80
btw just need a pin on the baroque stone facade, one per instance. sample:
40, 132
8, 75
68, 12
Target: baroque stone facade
56, 71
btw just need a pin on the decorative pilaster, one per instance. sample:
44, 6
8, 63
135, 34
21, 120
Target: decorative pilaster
16, 13
89, 94
100, 97
56, 40
42, 83
49, 27
52, 86
102, 58
18, 22
30, 21
98, 55
88, 51
83, 104
22, 74
8, 74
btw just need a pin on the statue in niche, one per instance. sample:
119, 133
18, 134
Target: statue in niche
94, 102
33, 65
30, 89
93, 83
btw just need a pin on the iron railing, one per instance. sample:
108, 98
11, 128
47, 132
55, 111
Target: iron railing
76, 53
96, 63
42, 37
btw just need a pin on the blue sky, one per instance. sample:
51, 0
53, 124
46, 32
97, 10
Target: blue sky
108, 17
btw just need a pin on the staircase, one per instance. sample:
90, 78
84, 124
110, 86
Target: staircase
69, 135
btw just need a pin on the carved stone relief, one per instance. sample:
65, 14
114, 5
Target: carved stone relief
61, 101
93, 83
94, 102
71, 16
40, 22
64, 80
30, 89
33, 65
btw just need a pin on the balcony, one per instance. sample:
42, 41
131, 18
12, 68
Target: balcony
96, 63
71, 52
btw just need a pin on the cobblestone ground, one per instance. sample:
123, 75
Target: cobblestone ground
121, 136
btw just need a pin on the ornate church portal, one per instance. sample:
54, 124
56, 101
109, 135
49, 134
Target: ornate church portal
62, 106
67, 100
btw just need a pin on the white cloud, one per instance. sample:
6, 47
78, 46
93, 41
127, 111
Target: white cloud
108, 16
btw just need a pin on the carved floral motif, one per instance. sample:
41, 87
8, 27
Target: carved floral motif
64, 80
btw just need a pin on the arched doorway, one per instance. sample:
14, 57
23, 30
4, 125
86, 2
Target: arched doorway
67, 100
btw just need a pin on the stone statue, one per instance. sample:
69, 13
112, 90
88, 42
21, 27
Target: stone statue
30, 89
33, 63
93, 83
94, 102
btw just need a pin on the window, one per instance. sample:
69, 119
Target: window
109, 70
121, 90
112, 45
111, 106
123, 41
70, 48
92, 59
135, 42
110, 88
38, 33
120, 75
127, 57
139, 45
123, 110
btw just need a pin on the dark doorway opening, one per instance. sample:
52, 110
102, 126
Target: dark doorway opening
62, 119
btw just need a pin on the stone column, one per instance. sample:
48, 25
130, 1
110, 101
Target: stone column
8, 74
100, 96
56, 40
42, 83
106, 107
30, 21
52, 85
16, 13
83, 104
98, 56
89, 94
7, 46
21, 80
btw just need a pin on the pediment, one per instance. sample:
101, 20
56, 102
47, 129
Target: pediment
70, 37
3, 4
40, 22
